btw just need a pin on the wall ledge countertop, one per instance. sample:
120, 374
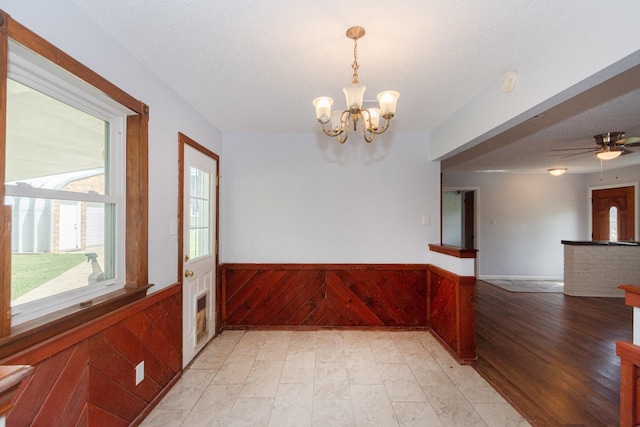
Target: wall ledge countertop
598, 243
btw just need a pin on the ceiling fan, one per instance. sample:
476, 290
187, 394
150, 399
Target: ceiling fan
609, 146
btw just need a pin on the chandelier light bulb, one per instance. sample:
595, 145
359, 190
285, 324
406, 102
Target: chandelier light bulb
323, 108
388, 101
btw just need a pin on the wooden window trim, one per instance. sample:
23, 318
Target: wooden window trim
136, 199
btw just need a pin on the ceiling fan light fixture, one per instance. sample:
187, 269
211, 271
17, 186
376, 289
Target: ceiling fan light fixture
557, 171
608, 154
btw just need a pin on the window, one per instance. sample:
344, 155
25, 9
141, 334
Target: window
613, 224
77, 215
63, 181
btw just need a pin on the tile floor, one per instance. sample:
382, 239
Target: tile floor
330, 378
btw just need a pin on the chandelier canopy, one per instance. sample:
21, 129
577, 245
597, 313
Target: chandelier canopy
339, 121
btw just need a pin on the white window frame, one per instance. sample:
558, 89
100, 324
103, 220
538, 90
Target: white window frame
36, 72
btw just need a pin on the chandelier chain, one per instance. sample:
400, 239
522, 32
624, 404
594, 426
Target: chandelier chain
355, 65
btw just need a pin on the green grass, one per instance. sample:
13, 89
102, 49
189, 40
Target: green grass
28, 271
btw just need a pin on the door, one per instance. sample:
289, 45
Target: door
613, 214
68, 229
199, 246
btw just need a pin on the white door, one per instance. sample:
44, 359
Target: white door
68, 226
199, 251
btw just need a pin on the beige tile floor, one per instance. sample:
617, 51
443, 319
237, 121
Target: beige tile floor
330, 378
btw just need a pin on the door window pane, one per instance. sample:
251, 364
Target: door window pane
200, 210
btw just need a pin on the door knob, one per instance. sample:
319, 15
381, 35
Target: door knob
188, 273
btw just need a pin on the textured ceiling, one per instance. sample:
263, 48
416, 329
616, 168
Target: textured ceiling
256, 65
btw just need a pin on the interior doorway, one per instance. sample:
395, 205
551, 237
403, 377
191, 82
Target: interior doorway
613, 214
198, 249
458, 218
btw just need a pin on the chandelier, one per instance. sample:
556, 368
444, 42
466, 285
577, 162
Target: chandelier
339, 121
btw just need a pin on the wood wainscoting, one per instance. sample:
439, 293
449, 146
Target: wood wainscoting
86, 376
451, 305
353, 295
324, 295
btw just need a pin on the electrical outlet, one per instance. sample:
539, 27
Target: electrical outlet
139, 372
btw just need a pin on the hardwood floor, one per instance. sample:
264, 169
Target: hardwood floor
553, 356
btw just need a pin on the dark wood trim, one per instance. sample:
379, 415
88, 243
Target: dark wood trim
137, 200
322, 328
39, 330
37, 44
453, 251
5, 266
11, 377
44, 349
631, 295
629, 355
5, 214
263, 266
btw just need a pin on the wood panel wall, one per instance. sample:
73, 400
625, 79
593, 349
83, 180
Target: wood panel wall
86, 377
451, 307
324, 295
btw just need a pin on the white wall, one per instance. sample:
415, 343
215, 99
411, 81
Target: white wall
305, 198
610, 177
64, 25
522, 219
559, 69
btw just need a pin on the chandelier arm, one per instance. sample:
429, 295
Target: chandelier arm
383, 128
345, 133
330, 132
367, 133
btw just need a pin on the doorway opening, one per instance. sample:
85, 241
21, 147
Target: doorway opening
459, 218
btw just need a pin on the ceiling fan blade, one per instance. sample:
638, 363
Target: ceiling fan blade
633, 144
625, 151
571, 149
566, 156
628, 141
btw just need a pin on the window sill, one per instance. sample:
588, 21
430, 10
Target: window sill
35, 331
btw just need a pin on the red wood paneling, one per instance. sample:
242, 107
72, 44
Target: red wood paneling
452, 312
324, 295
91, 382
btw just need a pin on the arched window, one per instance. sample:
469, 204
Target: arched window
613, 223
